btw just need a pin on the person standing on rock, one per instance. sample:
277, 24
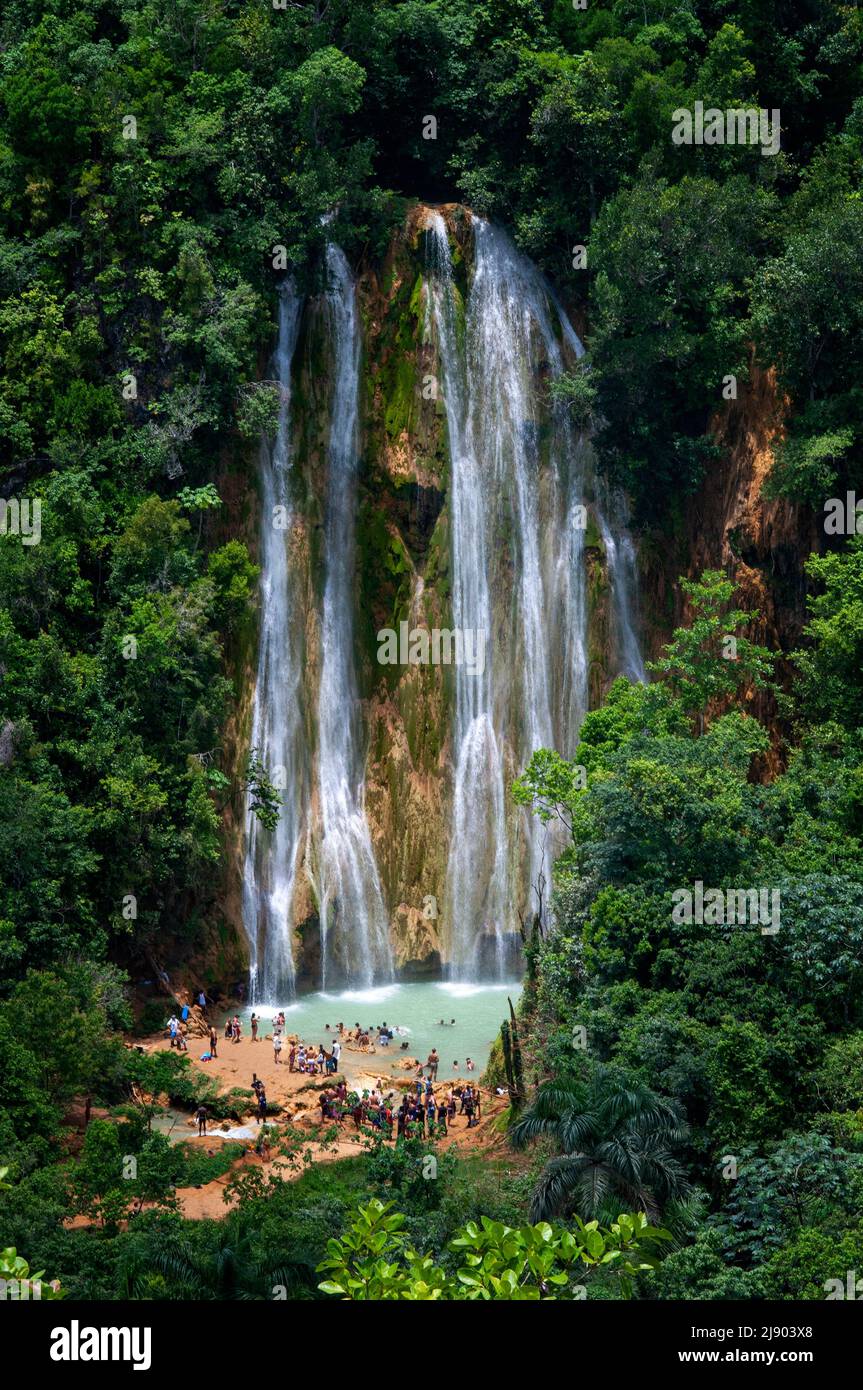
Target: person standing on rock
254, 1023
201, 1117
433, 1063
450, 1104
214, 1038
277, 1047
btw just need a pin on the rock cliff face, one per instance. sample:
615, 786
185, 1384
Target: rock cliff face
729, 524
403, 574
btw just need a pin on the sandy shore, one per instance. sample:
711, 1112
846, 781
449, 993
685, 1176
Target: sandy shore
237, 1063
297, 1093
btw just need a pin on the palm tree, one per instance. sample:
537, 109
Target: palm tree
616, 1138
223, 1266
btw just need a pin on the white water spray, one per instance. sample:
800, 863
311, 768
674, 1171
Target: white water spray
354, 926
270, 867
519, 478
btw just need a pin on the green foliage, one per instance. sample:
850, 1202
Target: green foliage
669, 310
200, 1167
751, 1038
801, 1181
617, 1140
138, 289
258, 409
405, 1168
839, 1079
709, 659
14, 1268
577, 393
265, 801
373, 1260
829, 669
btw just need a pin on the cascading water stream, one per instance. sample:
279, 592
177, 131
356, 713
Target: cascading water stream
277, 726
477, 874
517, 526
623, 581
354, 923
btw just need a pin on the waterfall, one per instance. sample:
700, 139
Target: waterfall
623, 582
521, 479
476, 888
519, 483
277, 726
354, 922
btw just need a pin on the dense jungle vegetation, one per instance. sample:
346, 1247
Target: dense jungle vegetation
156, 157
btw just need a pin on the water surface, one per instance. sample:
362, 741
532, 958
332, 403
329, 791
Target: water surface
478, 1010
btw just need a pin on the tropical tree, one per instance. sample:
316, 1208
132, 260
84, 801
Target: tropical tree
219, 1262
709, 659
617, 1139
829, 687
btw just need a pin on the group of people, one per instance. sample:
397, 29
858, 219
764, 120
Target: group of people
367, 1038
420, 1111
420, 1114
177, 1034
314, 1061
303, 1057
177, 1037
278, 1025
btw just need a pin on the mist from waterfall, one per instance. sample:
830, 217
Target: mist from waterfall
520, 478
270, 866
354, 921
